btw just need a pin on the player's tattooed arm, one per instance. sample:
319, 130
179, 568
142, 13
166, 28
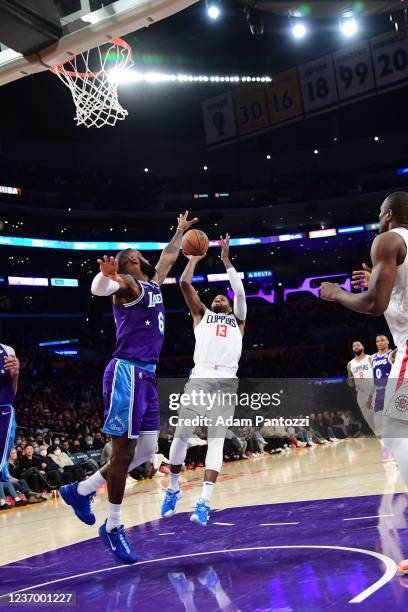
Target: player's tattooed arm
171, 252
350, 377
387, 252
110, 282
191, 297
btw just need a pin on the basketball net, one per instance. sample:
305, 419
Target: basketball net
95, 92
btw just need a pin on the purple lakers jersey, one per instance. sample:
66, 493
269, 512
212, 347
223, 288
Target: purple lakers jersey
381, 370
140, 325
7, 394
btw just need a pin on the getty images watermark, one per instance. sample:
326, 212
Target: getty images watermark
194, 404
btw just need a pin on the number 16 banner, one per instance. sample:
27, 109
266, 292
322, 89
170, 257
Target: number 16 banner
354, 71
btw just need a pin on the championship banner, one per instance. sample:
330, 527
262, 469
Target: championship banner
251, 109
284, 98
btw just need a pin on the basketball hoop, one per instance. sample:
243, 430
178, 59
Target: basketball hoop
95, 92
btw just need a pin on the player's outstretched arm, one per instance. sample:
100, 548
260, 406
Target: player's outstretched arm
171, 252
237, 286
386, 253
12, 365
197, 308
109, 282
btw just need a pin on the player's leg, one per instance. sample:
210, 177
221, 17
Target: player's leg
222, 411
213, 464
178, 451
178, 448
7, 435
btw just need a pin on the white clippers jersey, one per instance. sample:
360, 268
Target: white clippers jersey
361, 370
396, 314
218, 346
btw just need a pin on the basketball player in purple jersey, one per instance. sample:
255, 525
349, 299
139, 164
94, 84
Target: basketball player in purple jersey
381, 363
9, 369
129, 383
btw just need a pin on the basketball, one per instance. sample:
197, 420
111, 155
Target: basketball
195, 242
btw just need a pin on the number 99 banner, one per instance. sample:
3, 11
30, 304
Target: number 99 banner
354, 71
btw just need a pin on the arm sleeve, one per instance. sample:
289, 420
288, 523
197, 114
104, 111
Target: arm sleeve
240, 306
103, 286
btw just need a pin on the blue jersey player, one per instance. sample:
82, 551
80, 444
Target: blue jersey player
129, 384
9, 369
381, 363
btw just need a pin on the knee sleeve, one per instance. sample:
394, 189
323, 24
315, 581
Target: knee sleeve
145, 449
213, 460
178, 451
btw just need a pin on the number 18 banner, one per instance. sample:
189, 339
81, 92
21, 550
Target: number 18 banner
354, 70
318, 84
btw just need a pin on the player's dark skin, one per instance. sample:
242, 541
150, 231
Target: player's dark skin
135, 267
388, 251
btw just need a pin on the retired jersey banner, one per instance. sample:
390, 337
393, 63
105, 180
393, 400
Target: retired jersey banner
318, 84
390, 56
352, 73
219, 119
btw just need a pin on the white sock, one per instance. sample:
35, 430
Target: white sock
208, 488
89, 486
2, 502
174, 481
114, 516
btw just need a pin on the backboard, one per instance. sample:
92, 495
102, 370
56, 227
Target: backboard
87, 24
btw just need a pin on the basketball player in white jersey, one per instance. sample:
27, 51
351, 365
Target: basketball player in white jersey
387, 294
218, 332
360, 376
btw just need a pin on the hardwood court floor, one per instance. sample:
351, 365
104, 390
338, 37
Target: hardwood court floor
346, 469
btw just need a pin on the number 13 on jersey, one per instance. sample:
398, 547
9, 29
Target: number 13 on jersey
221, 330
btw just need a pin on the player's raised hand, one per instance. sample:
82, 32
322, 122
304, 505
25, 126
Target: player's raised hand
224, 244
183, 223
12, 364
108, 266
194, 257
360, 279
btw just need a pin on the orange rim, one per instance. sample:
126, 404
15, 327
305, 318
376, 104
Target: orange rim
59, 68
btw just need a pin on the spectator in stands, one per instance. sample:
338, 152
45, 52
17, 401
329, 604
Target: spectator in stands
29, 468
235, 446
98, 441
106, 453
6, 488
69, 471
